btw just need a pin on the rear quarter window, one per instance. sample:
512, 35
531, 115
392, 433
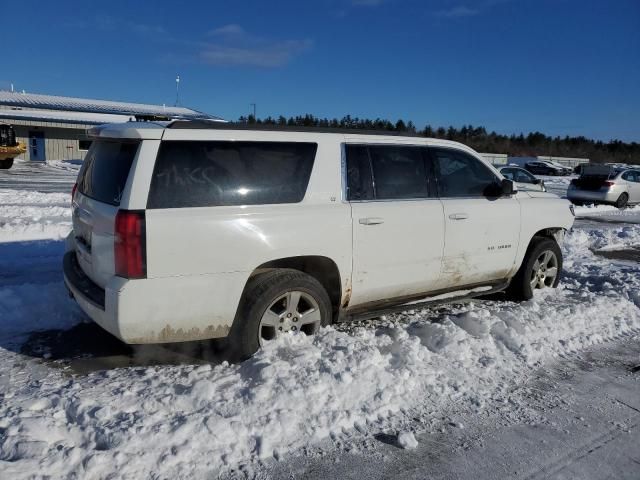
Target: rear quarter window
224, 173
105, 170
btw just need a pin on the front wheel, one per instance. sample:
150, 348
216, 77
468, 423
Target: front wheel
540, 268
274, 303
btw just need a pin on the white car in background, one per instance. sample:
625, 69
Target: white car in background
523, 179
606, 185
195, 230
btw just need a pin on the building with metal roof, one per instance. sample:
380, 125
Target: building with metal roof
54, 127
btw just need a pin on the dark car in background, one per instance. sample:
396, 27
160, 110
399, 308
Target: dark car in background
543, 167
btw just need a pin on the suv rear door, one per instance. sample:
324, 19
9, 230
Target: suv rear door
482, 229
101, 184
398, 227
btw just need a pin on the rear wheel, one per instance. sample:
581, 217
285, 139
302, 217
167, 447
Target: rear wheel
540, 268
6, 164
622, 201
274, 303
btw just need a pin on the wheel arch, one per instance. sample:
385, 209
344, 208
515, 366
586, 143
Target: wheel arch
552, 233
322, 268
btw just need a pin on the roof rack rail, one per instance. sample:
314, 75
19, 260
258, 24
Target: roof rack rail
218, 125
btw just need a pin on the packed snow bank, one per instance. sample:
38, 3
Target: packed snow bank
582, 210
32, 295
29, 215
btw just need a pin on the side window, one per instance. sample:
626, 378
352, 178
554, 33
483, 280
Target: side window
508, 173
461, 175
207, 174
523, 176
398, 172
631, 176
359, 181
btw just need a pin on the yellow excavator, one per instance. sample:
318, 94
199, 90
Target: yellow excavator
9, 147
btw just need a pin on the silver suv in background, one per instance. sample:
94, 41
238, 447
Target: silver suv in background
195, 230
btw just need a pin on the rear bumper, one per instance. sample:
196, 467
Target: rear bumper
600, 196
158, 310
80, 284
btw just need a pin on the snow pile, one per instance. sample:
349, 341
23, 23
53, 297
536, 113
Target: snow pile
190, 420
584, 210
621, 237
29, 215
407, 440
198, 420
32, 295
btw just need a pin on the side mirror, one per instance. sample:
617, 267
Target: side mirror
537, 181
508, 187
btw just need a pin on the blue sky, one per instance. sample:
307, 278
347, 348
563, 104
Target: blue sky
560, 67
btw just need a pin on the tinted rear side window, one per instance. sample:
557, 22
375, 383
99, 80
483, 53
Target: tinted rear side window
359, 180
398, 172
207, 174
105, 170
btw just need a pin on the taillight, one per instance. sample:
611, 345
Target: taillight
73, 191
609, 183
130, 244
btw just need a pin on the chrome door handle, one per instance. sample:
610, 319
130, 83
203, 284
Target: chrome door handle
371, 221
458, 216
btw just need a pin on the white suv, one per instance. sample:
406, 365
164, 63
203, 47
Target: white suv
195, 230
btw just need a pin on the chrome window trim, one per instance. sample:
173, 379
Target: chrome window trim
396, 200
343, 173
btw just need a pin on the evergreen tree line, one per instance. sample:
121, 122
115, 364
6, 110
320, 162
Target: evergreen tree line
533, 144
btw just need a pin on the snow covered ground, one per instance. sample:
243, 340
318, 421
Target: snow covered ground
298, 395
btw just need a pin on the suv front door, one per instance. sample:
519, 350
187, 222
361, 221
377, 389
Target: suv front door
482, 227
398, 227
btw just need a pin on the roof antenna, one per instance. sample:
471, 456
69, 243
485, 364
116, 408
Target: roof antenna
177, 90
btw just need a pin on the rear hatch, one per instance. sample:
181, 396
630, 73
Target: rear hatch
101, 183
595, 177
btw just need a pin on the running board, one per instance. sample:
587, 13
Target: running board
450, 296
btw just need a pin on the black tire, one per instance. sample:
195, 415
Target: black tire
520, 287
6, 164
261, 291
622, 201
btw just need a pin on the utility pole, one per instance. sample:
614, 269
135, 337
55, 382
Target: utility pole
177, 90
253, 105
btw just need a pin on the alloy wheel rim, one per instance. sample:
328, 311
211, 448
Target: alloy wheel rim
290, 312
545, 270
